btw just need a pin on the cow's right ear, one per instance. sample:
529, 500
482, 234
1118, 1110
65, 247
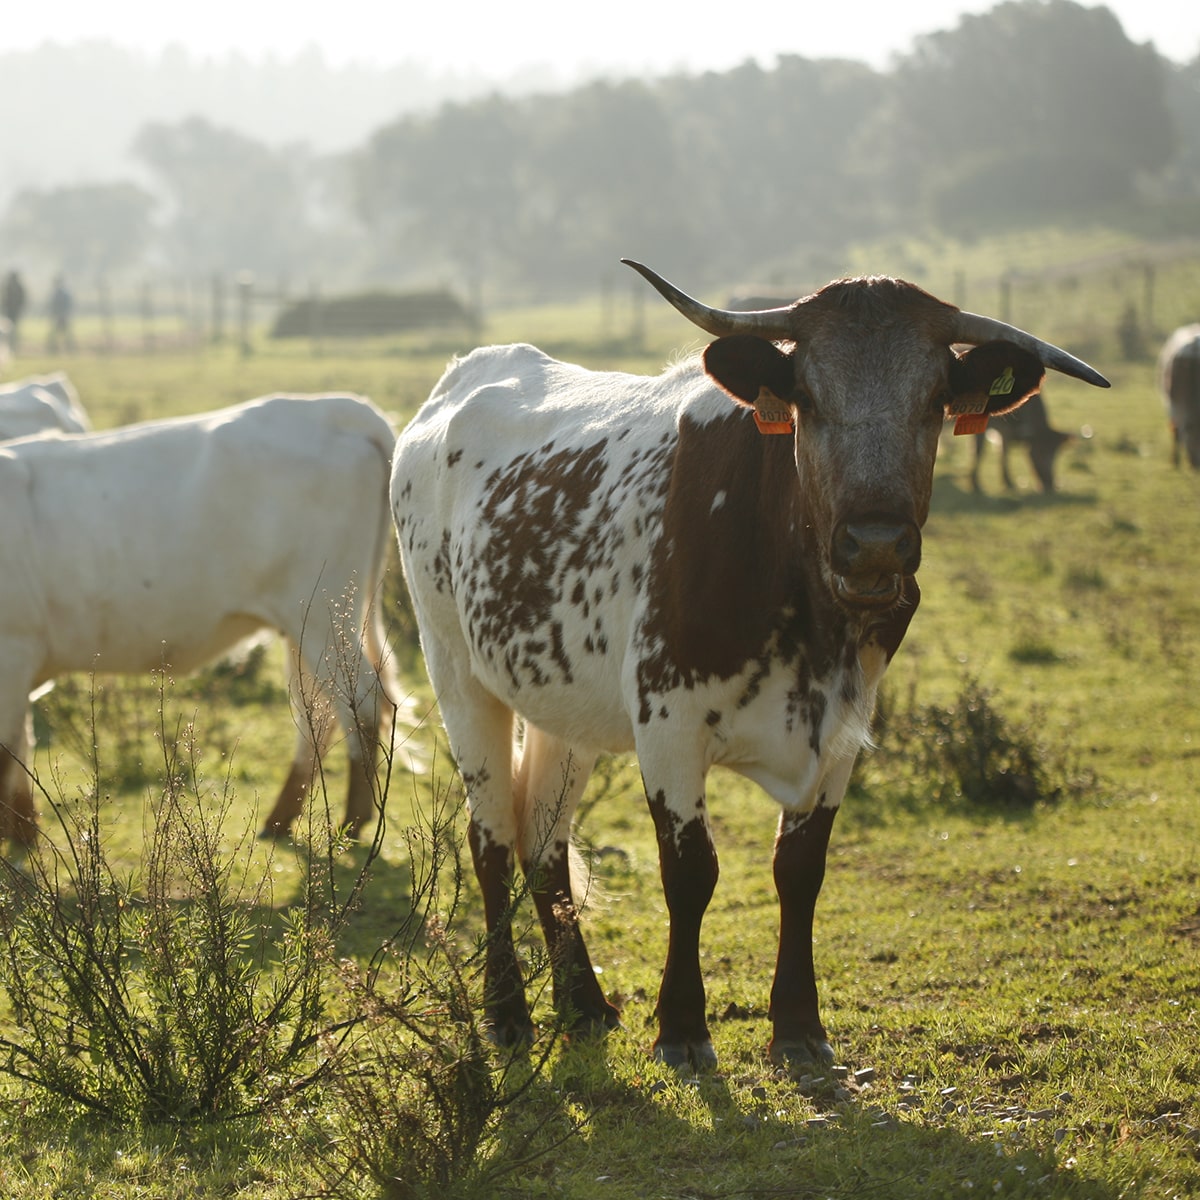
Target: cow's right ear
743, 364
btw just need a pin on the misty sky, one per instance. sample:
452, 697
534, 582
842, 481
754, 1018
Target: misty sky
500, 39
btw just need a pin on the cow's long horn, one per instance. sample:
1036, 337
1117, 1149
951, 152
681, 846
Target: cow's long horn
974, 330
773, 323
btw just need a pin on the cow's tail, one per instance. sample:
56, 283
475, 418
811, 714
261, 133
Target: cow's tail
383, 440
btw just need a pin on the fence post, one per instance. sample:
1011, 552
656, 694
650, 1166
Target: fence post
104, 303
637, 328
245, 286
218, 308
314, 316
147, 311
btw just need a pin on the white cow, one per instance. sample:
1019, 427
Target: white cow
1179, 382
168, 542
41, 403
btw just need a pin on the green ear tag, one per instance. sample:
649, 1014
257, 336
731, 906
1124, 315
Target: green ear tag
1002, 385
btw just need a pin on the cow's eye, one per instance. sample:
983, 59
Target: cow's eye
803, 402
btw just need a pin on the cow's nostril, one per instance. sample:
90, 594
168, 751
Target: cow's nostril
876, 547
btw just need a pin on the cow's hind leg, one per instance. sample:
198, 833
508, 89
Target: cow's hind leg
548, 784
346, 692
363, 692
480, 729
18, 822
314, 720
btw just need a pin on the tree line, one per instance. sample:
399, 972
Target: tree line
1033, 112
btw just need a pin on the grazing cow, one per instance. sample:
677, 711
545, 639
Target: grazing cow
1028, 426
168, 542
41, 403
1179, 379
628, 563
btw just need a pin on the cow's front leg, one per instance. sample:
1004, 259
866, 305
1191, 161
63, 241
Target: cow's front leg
689, 874
798, 1036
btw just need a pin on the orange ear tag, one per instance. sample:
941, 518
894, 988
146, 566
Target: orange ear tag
771, 415
970, 423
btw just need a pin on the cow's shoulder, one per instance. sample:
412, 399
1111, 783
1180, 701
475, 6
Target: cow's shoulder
729, 571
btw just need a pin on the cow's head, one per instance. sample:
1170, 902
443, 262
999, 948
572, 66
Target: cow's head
865, 371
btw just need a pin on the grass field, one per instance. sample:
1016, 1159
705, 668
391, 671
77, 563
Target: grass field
1013, 993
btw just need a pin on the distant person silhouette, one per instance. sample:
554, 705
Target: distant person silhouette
61, 306
12, 304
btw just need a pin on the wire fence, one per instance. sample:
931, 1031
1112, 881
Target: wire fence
1137, 295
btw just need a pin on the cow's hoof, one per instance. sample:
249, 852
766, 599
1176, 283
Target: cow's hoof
510, 1035
802, 1055
683, 1056
274, 833
595, 1025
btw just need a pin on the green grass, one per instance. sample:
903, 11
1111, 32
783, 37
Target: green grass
1022, 989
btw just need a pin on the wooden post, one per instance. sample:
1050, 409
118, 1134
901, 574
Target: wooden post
104, 303
245, 286
147, 309
218, 308
314, 316
638, 324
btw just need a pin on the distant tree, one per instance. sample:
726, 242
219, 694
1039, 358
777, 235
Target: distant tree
441, 189
234, 203
1182, 177
713, 174
768, 156
1032, 109
88, 229
609, 171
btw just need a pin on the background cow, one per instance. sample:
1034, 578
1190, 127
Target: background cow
1179, 379
166, 543
41, 403
629, 563
1027, 426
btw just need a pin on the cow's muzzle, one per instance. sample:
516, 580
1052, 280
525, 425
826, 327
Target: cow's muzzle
870, 558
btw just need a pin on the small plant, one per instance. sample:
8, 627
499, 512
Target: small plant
418, 1103
178, 994
970, 752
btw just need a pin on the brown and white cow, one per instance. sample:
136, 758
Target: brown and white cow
1179, 381
628, 563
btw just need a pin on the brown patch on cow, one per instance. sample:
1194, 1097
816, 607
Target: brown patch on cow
887, 632
729, 556
533, 507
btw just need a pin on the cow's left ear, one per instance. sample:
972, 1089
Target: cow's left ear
993, 379
743, 364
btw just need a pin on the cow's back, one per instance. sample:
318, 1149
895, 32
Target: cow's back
205, 527
41, 403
